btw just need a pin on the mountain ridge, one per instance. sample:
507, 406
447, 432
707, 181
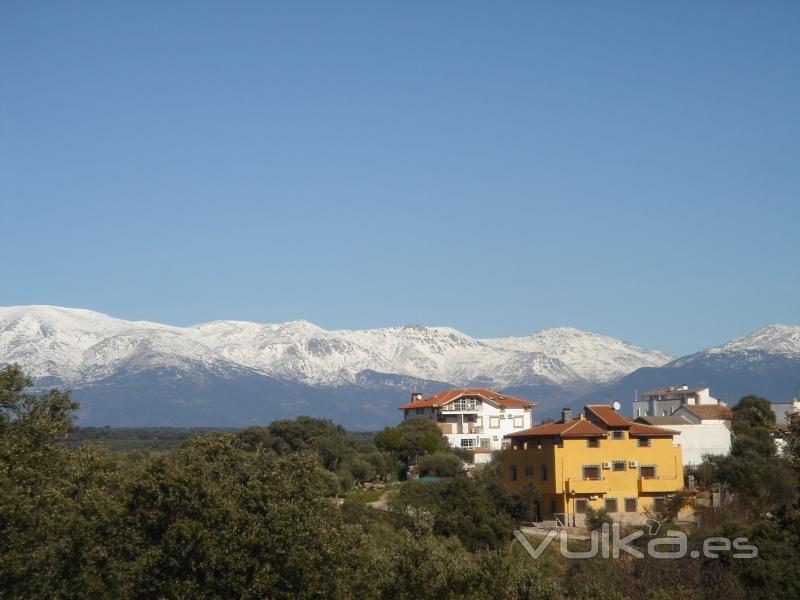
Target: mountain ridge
77, 345
234, 372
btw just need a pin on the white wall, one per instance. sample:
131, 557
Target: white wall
781, 409
698, 440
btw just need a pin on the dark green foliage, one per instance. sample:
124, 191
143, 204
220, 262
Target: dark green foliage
792, 439
411, 439
595, 518
253, 514
347, 455
458, 506
125, 439
440, 464
760, 481
753, 426
775, 573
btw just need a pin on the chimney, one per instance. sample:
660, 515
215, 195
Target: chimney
566, 415
415, 397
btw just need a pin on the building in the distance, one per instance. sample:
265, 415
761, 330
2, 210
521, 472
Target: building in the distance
703, 430
784, 409
599, 459
473, 418
664, 401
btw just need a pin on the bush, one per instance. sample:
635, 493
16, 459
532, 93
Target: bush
596, 518
440, 464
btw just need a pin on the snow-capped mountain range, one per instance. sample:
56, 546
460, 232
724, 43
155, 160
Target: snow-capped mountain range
77, 346
233, 373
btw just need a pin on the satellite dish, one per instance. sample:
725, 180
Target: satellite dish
616, 405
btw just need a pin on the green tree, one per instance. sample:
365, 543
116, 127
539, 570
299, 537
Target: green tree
595, 518
792, 439
411, 439
441, 464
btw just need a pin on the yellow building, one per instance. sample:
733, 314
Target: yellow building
600, 459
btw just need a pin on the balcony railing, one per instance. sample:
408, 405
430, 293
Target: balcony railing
460, 407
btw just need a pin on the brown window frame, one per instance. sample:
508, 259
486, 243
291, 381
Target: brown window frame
616, 505
635, 505
641, 471
599, 472
584, 502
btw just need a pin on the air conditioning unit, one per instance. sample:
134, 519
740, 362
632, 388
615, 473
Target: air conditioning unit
606, 465
633, 464
593, 497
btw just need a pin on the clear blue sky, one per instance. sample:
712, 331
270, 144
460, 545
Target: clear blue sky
496, 167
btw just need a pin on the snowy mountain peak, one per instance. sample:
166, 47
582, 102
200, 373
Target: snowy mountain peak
79, 346
772, 339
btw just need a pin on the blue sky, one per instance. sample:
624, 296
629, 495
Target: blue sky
496, 167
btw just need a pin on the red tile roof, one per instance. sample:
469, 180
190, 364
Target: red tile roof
599, 419
442, 398
572, 428
606, 414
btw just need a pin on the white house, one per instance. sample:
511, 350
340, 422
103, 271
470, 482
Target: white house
473, 418
664, 401
783, 409
703, 430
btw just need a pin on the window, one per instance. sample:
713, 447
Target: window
528, 470
420, 411
630, 504
468, 442
464, 404
543, 472
611, 505
494, 422
593, 443
513, 474
618, 435
552, 505
518, 422
485, 442
619, 465
581, 504
591, 472
644, 442
659, 504
647, 472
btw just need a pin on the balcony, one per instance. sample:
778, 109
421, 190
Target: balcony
587, 486
461, 407
671, 484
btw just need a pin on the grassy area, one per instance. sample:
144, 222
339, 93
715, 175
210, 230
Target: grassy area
366, 496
